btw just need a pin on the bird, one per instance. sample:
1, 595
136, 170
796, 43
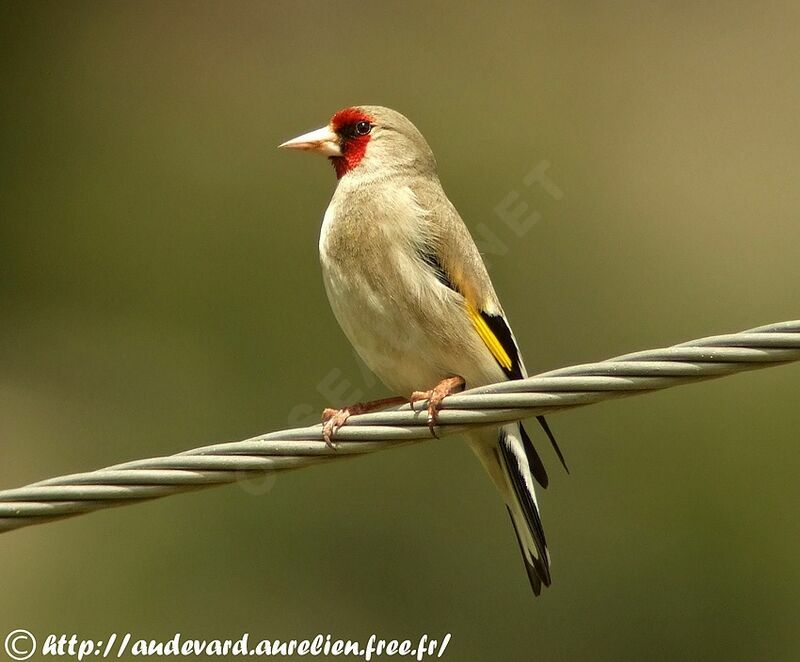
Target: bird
410, 290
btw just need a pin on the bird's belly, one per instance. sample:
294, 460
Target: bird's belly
408, 345
388, 340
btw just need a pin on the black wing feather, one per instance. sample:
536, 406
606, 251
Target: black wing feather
502, 332
498, 326
534, 461
428, 255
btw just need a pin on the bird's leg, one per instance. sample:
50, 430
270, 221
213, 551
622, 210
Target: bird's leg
333, 419
436, 395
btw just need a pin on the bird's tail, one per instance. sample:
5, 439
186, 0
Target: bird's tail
510, 458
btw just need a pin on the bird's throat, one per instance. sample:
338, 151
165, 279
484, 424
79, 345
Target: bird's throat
353, 152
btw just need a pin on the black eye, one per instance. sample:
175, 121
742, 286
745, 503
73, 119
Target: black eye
362, 128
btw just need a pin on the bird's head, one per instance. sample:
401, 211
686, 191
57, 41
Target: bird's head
368, 140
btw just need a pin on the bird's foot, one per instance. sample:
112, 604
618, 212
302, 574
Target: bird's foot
435, 396
333, 419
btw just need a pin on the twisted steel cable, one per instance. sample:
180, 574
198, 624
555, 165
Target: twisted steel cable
575, 386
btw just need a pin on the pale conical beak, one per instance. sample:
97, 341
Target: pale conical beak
322, 141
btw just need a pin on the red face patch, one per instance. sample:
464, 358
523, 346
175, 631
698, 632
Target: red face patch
353, 128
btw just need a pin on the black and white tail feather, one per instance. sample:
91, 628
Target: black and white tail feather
520, 464
511, 459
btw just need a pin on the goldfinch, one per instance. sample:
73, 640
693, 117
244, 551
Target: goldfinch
411, 293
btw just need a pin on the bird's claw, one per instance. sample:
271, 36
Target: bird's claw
435, 397
332, 420
433, 413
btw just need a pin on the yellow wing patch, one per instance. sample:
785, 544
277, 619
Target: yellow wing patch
488, 337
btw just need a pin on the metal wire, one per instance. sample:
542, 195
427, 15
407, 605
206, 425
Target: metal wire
575, 386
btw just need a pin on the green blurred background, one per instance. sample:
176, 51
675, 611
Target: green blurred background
160, 289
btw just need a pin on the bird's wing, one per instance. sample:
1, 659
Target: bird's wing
451, 253
491, 325
448, 249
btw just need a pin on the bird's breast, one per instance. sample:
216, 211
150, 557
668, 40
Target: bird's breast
409, 328
367, 292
